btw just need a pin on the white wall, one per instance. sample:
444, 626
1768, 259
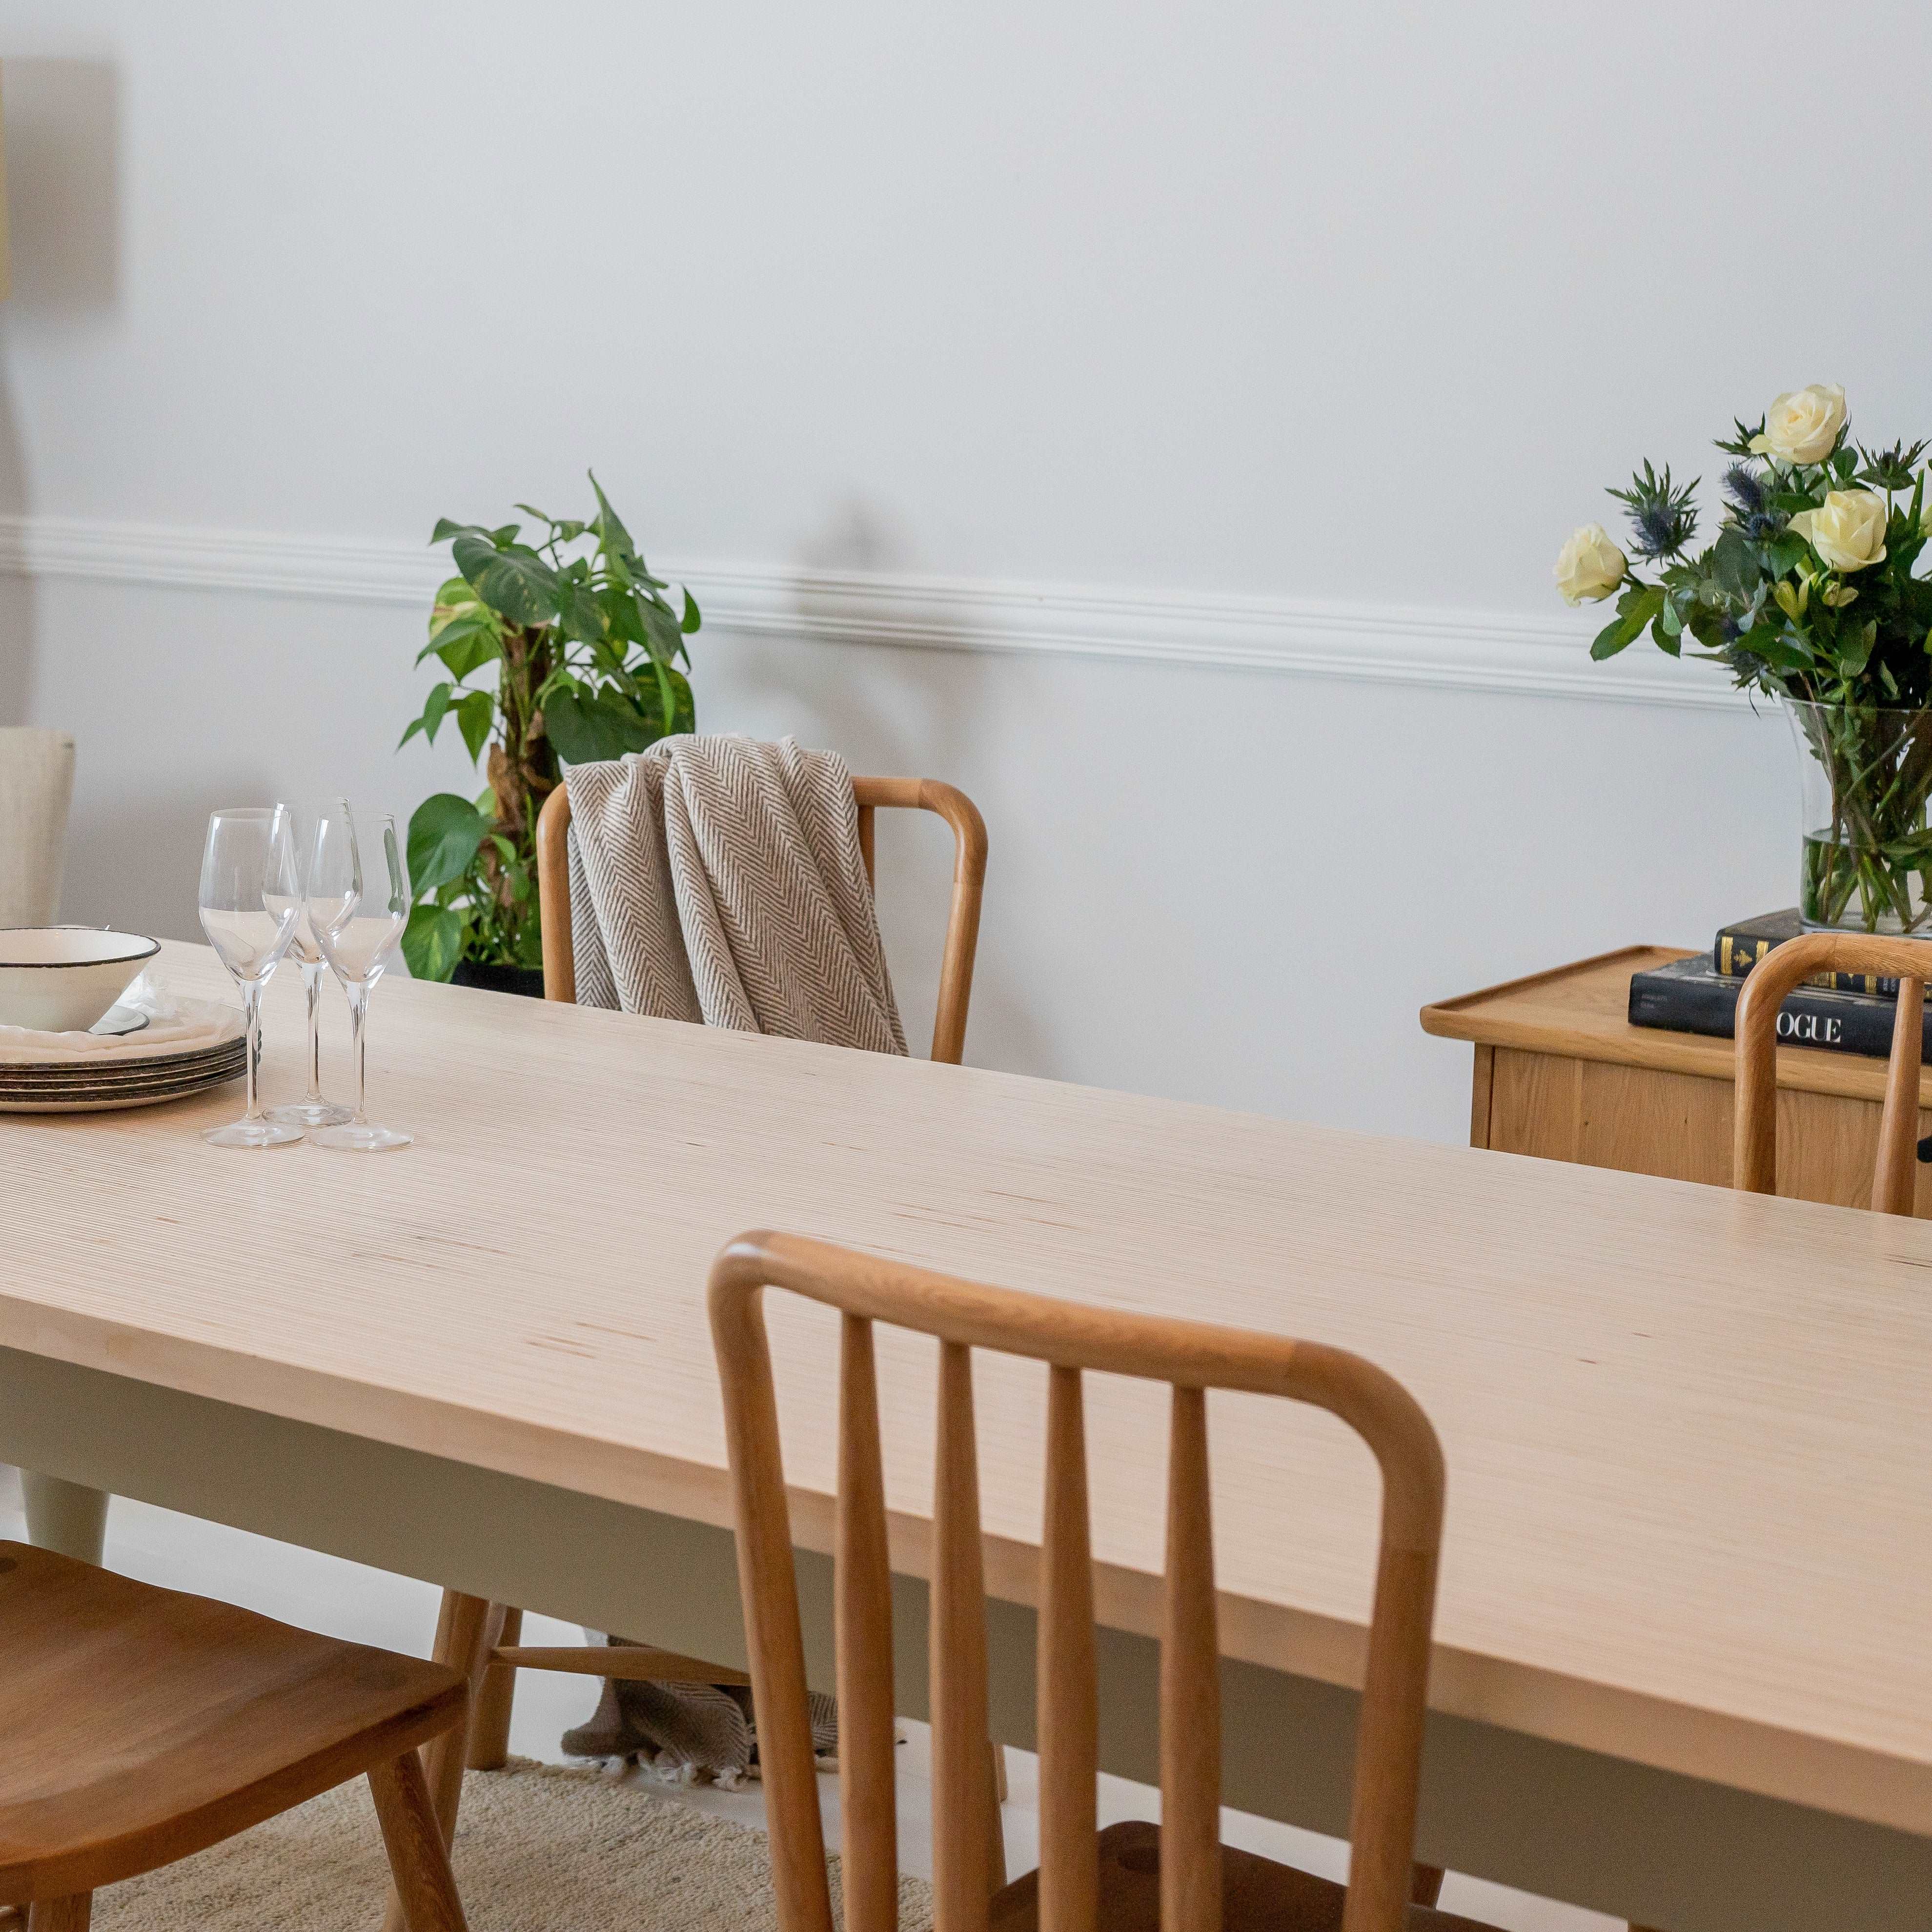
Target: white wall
1350, 311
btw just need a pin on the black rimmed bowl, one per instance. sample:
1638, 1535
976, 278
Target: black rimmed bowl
62, 979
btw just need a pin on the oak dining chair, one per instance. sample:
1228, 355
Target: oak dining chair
870, 796
490, 1731
1134, 1877
1754, 1146
139, 1725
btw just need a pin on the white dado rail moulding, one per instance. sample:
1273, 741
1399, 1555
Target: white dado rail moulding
1439, 646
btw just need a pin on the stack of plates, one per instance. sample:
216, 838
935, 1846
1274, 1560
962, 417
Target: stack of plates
93, 1083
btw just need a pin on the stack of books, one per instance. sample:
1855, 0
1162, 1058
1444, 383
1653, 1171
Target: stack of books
1843, 1012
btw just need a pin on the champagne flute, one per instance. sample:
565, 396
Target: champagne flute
250, 900
358, 906
313, 1110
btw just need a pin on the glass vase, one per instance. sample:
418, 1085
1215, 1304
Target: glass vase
1865, 782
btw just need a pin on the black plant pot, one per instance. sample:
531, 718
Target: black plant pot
527, 980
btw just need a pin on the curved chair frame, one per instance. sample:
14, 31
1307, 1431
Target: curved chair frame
1191, 1357
962, 925
1754, 1146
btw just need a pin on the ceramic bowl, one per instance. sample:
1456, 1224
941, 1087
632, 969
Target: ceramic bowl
62, 979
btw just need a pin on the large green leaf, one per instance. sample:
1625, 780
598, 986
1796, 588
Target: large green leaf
476, 715
692, 618
586, 727
609, 527
433, 941
444, 836
465, 645
511, 578
663, 637
580, 616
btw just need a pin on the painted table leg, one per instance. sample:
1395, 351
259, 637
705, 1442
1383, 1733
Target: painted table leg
64, 1517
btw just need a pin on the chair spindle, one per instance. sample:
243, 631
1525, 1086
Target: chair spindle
963, 1878
865, 850
1190, 1686
1895, 1178
1069, 1723
863, 1608
768, 1584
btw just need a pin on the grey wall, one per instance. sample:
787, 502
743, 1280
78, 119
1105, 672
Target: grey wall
1357, 309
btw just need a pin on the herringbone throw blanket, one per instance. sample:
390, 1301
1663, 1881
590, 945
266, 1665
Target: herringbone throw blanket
720, 880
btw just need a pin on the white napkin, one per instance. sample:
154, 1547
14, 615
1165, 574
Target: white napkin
174, 1026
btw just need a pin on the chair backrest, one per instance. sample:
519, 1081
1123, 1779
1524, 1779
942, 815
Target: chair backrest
1193, 1358
962, 925
1754, 1144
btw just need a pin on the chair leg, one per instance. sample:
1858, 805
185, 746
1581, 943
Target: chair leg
996, 1776
464, 1639
1425, 1884
61, 1914
418, 1861
489, 1723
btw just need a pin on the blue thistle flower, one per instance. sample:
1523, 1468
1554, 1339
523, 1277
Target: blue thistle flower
1663, 518
1745, 488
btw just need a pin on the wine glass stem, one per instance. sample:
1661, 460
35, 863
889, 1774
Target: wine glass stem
251, 1006
358, 1016
312, 972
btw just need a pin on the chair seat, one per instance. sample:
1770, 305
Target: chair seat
1258, 1895
140, 1725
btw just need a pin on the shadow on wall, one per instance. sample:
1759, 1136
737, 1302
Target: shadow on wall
62, 122
63, 183
895, 712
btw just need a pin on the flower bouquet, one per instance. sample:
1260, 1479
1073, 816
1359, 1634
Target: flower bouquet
1808, 593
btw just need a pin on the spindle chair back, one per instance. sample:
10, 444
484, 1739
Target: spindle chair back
1192, 1358
1770, 982
870, 795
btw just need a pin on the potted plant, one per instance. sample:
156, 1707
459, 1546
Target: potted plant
1810, 593
578, 655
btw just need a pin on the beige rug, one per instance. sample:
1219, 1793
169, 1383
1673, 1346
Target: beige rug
540, 1848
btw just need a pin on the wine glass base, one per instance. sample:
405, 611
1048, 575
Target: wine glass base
262, 1133
311, 1114
363, 1139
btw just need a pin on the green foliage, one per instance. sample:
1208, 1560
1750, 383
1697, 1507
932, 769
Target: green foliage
1763, 600
578, 654
1848, 641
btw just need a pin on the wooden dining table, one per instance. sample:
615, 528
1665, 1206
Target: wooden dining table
1681, 1673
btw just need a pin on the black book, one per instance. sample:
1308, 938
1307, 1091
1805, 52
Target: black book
1737, 948
1692, 996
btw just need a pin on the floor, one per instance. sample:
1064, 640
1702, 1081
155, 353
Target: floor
347, 1599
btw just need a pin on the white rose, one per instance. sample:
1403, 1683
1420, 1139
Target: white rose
1847, 529
1590, 566
1803, 425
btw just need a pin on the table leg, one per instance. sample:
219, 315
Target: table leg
64, 1517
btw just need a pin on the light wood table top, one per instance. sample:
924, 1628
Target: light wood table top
1690, 1512
1583, 1010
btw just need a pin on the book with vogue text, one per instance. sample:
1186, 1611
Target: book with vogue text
1692, 996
